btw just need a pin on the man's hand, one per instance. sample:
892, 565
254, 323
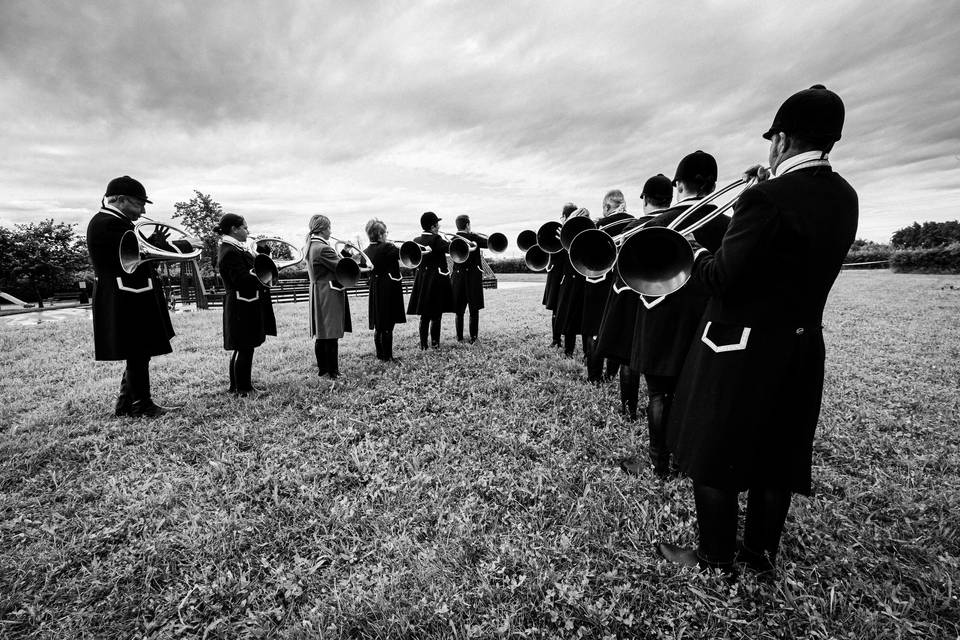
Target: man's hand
757, 173
693, 242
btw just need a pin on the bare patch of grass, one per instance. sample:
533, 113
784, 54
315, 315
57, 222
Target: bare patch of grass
470, 492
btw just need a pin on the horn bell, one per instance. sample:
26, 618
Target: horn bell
548, 237
266, 270
497, 242
655, 261
411, 254
536, 258
593, 253
459, 250
136, 250
526, 239
574, 227
347, 272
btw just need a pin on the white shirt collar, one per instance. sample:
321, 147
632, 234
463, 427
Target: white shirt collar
687, 199
233, 241
112, 210
803, 160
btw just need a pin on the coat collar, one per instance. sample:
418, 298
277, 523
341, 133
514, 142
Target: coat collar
803, 160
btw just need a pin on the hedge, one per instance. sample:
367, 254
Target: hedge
875, 253
944, 259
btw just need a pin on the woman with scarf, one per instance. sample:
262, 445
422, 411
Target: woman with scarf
247, 313
329, 308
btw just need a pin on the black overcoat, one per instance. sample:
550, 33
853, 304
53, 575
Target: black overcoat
432, 293
385, 286
329, 304
615, 338
466, 278
570, 298
247, 312
551, 290
597, 290
665, 325
130, 315
748, 400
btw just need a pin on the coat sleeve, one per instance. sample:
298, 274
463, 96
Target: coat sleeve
234, 270
745, 245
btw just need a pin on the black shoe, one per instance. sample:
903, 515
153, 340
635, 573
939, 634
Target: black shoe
123, 406
683, 556
435, 345
148, 409
251, 392
423, 346
473, 340
759, 562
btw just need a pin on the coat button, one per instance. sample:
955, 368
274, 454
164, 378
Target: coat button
800, 331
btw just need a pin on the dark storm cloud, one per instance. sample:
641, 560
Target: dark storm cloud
280, 109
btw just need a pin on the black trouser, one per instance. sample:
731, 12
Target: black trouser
555, 330
241, 367
134, 385
717, 511
595, 361
326, 350
430, 324
383, 340
660, 397
629, 390
474, 324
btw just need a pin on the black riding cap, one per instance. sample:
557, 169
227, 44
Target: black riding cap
428, 219
126, 186
698, 166
814, 114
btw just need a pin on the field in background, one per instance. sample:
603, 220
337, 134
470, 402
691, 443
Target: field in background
470, 492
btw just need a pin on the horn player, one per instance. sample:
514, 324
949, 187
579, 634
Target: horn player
247, 308
432, 294
551, 289
665, 325
748, 399
467, 281
131, 321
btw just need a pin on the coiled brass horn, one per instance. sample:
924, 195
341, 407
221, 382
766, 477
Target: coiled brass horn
136, 249
411, 253
656, 261
267, 269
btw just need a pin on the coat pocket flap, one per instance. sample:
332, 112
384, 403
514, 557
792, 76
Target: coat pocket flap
255, 297
725, 337
650, 302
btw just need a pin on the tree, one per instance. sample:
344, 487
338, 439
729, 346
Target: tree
200, 215
926, 236
39, 258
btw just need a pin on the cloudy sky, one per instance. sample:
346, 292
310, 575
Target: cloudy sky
503, 110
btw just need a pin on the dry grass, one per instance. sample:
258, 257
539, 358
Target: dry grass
471, 492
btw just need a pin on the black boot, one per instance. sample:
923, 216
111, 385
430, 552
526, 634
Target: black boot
629, 391
320, 351
387, 342
435, 331
424, 332
555, 331
569, 344
122, 407
378, 343
766, 513
233, 373
333, 364
657, 427
458, 323
474, 325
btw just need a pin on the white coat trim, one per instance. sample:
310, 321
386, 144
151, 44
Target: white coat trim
400, 279
653, 301
597, 279
335, 287
740, 346
618, 290
253, 299
124, 287
442, 272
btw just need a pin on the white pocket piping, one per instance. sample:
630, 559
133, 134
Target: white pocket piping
653, 301
400, 279
253, 299
618, 290
740, 346
124, 287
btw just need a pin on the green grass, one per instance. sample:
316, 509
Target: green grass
471, 492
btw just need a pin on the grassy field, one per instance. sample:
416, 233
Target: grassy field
471, 492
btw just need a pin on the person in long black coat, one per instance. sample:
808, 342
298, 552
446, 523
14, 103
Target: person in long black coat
665, 325
385, 300
570, 300
432, 293
596, 291
466, 280
551, 289
748, 399
131, 321
247, 312
615, 338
